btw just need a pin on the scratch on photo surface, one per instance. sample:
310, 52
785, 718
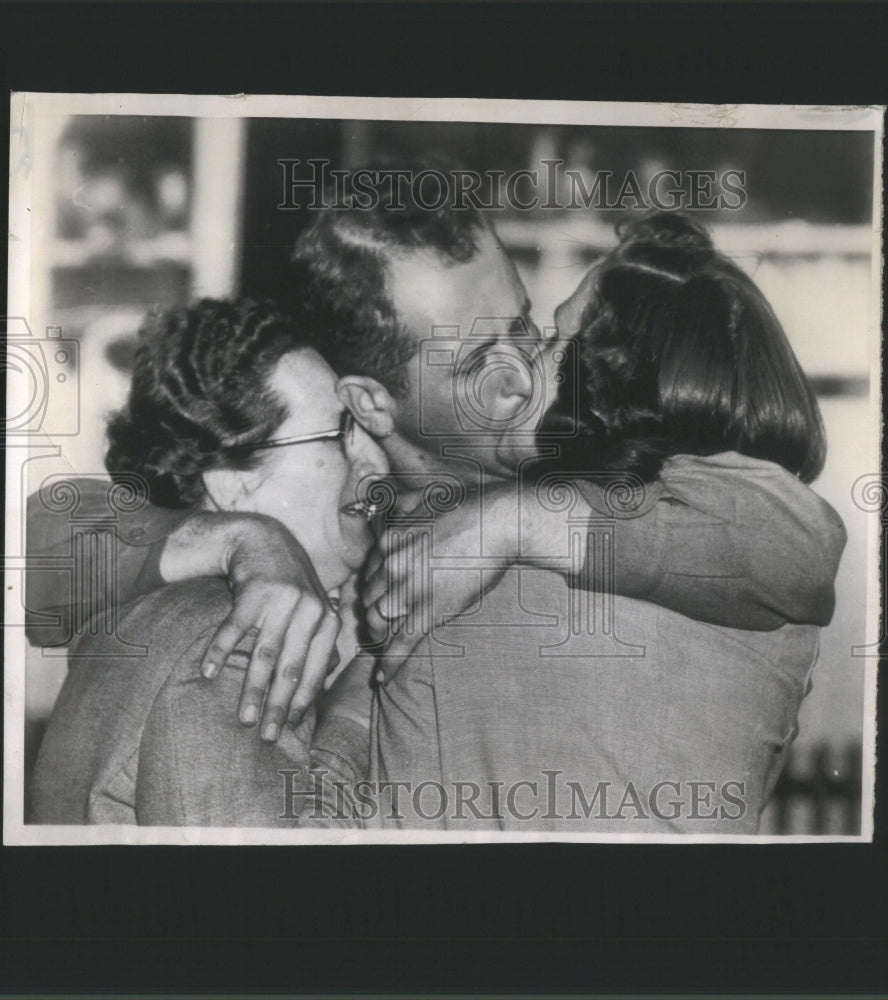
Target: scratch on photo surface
705, 114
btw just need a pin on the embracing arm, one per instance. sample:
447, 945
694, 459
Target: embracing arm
277, 595
727, 540
54, 604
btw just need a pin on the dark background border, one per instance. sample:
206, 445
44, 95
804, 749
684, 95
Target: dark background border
504, 918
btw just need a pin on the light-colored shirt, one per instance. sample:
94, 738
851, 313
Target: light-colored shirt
603, 713
548, 722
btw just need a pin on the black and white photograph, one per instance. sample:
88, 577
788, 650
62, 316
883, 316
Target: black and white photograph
441, 471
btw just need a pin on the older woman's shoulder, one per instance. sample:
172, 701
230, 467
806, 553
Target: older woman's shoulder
188, 600
165, 622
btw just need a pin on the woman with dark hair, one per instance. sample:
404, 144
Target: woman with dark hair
230, 410
685, 382
681, 368
680, 354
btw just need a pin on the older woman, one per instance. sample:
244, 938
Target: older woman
229, 410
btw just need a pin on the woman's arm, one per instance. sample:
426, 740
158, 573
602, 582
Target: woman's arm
741, 544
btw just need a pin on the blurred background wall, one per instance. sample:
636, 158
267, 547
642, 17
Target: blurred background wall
140, 213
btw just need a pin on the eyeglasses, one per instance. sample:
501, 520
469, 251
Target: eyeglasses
343, 432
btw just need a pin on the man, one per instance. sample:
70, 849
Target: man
530, 713
425, 319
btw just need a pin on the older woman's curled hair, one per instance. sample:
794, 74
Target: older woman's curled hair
200, 395
680, 353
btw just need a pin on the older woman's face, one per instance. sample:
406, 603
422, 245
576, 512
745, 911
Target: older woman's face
311, 486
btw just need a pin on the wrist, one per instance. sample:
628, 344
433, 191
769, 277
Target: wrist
246, 537
222, 536
545, 533
209, 542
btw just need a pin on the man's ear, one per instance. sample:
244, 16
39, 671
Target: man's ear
370, 402
226, 488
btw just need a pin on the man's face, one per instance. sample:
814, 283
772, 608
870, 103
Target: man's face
478, 373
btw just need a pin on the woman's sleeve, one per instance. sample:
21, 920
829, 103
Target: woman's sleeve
89, 558
725, 540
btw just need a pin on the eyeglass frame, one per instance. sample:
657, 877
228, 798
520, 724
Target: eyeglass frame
346, 427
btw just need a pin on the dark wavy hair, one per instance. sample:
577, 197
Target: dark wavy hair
337, 281
199, 394
680, 353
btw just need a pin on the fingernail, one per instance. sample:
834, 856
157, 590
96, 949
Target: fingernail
249, 715
270, 732
209, 670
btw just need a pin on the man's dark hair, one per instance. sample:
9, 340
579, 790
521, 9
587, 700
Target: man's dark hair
680, 353
200, 395
338, 280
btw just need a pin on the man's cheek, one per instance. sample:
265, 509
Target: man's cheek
438, 414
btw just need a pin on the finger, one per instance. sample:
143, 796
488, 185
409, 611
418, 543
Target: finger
379, 627
373, 564
305, 622
403, 577
383, 561
408, 579
319, 590
270, 634
377, 579
391, 542
422, 610
322, 657
374, 587
243, 616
